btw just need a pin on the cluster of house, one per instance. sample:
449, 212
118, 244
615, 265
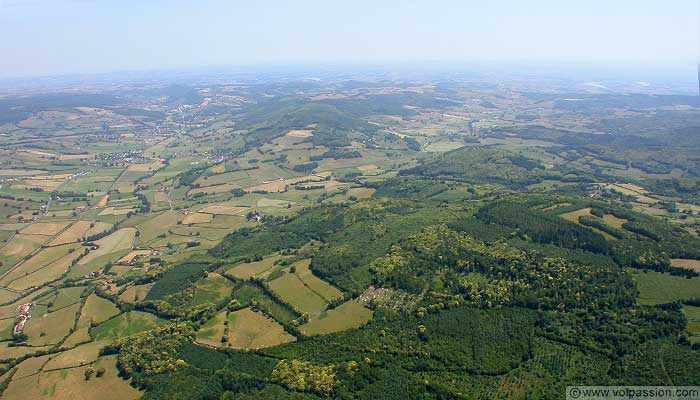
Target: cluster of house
22, 317
105, 284
255, 217
94, 274
124, 157
77, 175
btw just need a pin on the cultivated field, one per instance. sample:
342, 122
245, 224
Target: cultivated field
73, 234
693, 265
45, 228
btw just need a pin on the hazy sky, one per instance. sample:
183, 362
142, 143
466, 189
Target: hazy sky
63, 36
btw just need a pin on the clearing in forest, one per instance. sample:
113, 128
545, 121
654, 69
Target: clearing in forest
348, 315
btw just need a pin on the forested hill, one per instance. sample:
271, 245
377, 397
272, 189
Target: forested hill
468, 301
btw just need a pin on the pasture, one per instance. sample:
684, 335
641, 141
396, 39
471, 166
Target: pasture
257, 268
249, 329
134, 255
78, 356
98, 227
71, 384
197, 218
318, 286
157, 224
73, 234
97, 310
120, 240
40, 260
659, 288
45, 228
692, 314
614, 221
18, 247
348, 315
212, 289
292, 290
222, 209
124, 325
135, 293
573, 216
49, 273
51, 328
212, 332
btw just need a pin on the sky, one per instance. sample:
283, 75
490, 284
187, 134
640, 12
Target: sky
45, 37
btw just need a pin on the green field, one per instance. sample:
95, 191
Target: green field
252, 330
346, 316
212, 289
318, 286
659, 288
292, 290
245, 293
125, 325
52, 327
115, 242
97, 310
692, 314
248, 270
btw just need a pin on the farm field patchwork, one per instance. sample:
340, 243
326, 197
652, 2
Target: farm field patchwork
346, 234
